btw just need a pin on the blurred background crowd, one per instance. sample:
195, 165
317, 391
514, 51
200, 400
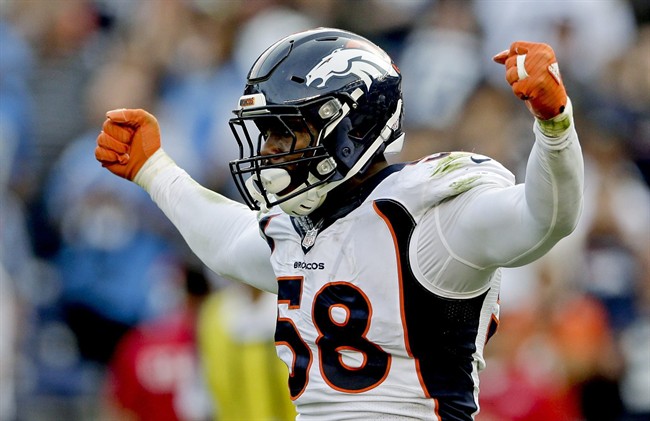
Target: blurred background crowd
106, 315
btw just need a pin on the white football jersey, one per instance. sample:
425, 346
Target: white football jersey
362, 331
384, 307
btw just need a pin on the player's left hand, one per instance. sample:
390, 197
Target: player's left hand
533, 73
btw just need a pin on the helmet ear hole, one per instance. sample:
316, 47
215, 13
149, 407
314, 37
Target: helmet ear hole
361, 128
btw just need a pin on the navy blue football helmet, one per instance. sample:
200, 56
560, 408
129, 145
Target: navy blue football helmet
335, 85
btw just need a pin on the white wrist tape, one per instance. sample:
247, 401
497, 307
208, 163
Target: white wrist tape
152, 167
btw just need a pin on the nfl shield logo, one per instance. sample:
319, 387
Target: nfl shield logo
310, 238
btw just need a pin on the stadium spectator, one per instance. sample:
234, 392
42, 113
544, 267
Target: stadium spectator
155, 373
245, 378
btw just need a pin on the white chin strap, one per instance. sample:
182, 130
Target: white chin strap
304, 203
274, 180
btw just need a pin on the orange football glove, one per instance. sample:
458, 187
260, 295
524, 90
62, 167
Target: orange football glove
127, 140
533, 73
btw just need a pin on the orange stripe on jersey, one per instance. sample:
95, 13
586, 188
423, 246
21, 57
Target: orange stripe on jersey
435, 410
492, 327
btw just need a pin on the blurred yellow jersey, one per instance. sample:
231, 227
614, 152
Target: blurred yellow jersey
246, 379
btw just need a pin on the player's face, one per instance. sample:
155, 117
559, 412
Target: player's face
281, 141
284, 146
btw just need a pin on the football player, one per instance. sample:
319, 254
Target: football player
387, 276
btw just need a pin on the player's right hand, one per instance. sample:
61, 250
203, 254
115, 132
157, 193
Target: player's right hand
128, 138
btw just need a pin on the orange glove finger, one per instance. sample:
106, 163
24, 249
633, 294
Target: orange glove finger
145, 128
132, 135
512, 75
109, 157
516, 48
501, 57
108, 142
519, 48
509, 59
118, 132
130, 117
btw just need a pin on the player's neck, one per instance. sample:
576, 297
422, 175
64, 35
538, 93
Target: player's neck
349, 195
359, 179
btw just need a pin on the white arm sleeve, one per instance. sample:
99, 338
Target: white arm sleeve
490, 227
223, 233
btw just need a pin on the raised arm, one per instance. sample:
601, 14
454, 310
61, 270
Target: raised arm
221, 232
515, 225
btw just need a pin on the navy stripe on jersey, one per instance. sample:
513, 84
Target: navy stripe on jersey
440, 332
263, 223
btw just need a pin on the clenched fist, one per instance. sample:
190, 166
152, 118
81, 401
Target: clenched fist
128, 138
533, 73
